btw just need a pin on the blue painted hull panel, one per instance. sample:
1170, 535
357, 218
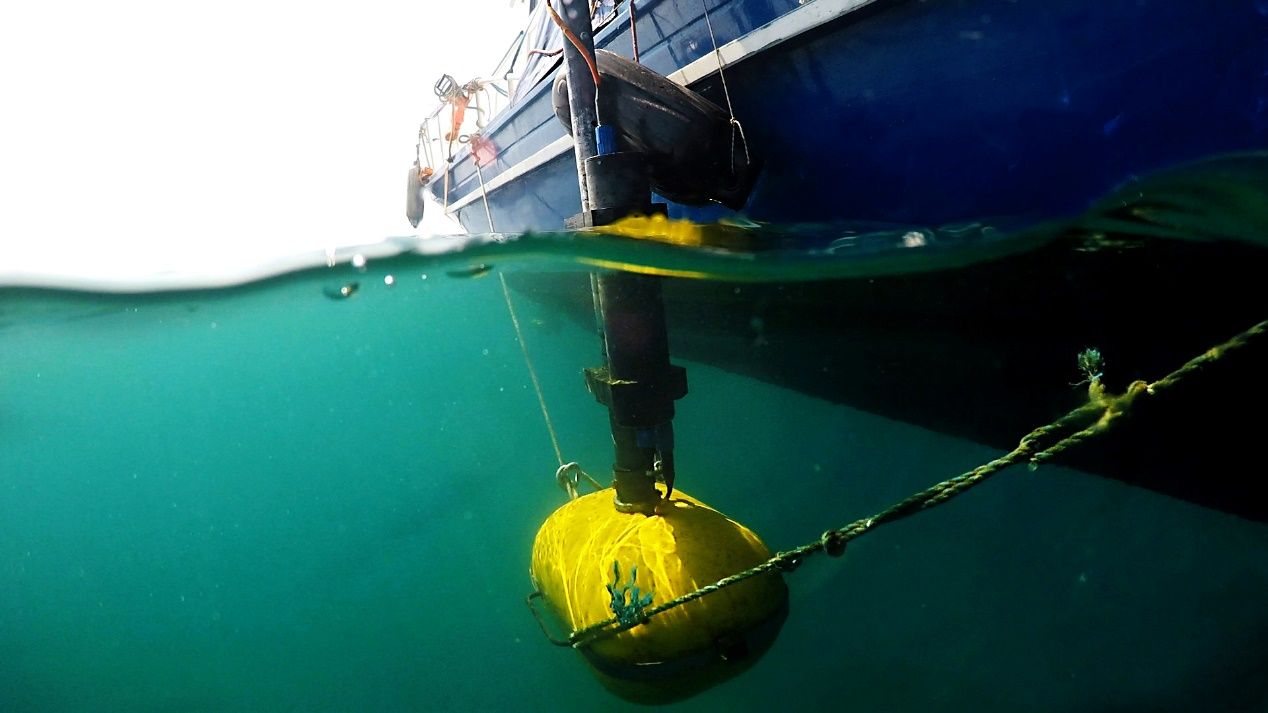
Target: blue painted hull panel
932, 113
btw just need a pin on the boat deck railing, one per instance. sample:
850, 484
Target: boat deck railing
470, 105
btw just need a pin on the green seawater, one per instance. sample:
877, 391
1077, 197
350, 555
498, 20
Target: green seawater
269, 497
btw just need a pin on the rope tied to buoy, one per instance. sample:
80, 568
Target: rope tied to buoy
1096, 417
569, 474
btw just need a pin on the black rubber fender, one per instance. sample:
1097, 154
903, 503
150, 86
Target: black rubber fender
692, 154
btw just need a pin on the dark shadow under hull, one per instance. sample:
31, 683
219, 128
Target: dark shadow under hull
988, 352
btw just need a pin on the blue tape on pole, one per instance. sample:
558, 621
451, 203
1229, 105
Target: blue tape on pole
605, 137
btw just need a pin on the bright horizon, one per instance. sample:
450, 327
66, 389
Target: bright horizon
145, 137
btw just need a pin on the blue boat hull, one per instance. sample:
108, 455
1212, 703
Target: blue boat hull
921, 113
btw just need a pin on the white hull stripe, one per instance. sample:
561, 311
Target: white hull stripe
781, 29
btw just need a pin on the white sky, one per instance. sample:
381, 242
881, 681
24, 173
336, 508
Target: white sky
139, 136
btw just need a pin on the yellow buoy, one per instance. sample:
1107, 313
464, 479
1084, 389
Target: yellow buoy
587, 554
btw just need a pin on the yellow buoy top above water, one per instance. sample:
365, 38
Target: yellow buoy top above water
591, 562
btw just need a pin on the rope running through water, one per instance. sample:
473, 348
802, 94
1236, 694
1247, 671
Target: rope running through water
568, 475
515, 322
532, 372
1090, 419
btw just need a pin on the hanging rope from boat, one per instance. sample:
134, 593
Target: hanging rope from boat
736, 126
1096, 417
422, 146
532, 372
475, 89
576, 43
425, 170
633, 31
448, 90
474, 140
568, 475
448, 169
439, 132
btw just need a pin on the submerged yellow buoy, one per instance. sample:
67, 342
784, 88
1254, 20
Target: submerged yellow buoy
587, 554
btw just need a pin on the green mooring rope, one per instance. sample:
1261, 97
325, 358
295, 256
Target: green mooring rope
1093, 418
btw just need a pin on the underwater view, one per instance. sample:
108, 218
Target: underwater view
320, 490
876, 356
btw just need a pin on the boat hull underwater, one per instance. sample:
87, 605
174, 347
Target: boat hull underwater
1128, 135
911, 113
1020, 210
989, 351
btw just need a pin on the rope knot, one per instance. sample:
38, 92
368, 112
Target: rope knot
1138, 387
833, 542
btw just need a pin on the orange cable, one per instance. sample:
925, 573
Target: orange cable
594, 70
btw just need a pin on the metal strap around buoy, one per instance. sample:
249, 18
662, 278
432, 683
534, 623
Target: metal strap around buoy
531, 600
1039, 445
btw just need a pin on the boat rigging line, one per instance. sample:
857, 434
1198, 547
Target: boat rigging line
633, 32
569, 473
735, 123
423, 147
484, 194
581, 50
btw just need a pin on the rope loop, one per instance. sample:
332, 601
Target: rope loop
567, 476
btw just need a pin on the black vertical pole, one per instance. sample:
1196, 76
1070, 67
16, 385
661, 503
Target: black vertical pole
637, 383
581, 89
